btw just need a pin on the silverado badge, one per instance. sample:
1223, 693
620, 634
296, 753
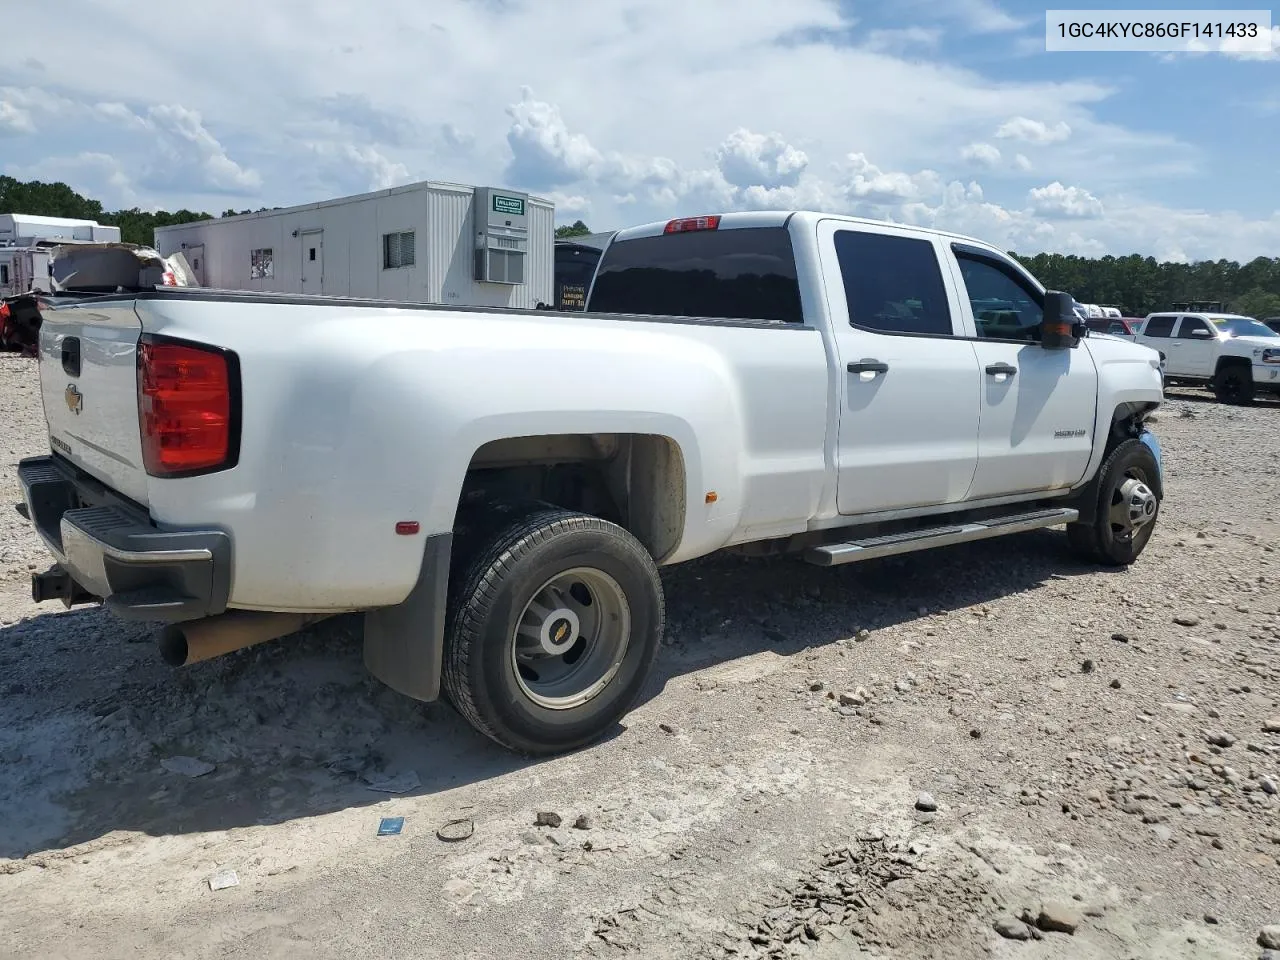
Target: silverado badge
75, 399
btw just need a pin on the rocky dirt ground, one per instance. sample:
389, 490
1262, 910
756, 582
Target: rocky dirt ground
988, 751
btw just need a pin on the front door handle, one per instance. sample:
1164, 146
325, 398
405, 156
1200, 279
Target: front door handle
996, 369
868, 365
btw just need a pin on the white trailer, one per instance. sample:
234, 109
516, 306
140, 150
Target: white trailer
26, 242
424, 242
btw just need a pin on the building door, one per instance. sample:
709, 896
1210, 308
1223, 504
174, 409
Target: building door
195, 260
313, 262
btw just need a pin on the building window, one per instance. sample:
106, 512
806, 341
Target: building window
397, 250
261, 264
4, 273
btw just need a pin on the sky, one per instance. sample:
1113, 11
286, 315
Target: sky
944, 114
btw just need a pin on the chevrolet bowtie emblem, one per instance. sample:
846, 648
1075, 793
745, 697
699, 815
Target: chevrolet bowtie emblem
75, 399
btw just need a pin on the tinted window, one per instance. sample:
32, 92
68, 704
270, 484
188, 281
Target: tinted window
1003, 308
574, 267
730, 274
892, 284
1190, 325
1118, 329
1158, 327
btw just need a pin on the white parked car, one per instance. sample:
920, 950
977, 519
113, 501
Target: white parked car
1234, 356
496, 489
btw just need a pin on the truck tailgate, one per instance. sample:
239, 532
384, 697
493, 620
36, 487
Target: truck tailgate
88, 381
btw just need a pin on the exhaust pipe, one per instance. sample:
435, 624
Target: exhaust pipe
195, 640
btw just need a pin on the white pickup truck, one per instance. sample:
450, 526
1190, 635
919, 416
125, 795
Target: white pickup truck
1235, 356
494, 490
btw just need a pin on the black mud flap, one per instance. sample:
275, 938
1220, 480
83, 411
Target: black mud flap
404, 644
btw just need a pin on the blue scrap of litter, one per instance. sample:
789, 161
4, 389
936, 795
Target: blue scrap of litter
390, 826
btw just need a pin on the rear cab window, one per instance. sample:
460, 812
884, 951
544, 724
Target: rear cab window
746, 273
1159, 326
892, 284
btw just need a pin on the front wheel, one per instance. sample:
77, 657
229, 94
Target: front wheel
553, 631
1126, 511
1234, 384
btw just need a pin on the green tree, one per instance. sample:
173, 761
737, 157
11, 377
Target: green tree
1258, 303
576, 229
39, 199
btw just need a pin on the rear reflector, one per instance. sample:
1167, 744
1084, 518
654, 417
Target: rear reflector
188, 409
692, 223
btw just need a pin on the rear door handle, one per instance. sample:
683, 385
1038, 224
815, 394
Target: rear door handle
995, 369
868, 365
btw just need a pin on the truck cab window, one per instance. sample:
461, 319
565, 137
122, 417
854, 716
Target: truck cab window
1003, 307
1158, 327
1194, 327
743, 274
892, 284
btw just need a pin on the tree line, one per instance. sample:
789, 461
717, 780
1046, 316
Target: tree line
1136, 284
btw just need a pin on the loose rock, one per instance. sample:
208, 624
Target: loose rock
187, 766
1011, 928
1269, 937
1186, 620
1221, 739
582, 823
1055, 917
925, 803
1088, 666
1116, 684
1272, 725
547, 818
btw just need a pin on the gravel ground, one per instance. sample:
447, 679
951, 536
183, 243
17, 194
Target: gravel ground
984, 751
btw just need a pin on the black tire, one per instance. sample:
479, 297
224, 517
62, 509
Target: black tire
506, 570
1104, 541
1233, 384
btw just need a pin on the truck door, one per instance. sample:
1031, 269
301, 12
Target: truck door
909, 384
1038, 405
1195, 344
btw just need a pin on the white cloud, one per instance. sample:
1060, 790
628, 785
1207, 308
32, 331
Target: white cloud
184, 138
544, 152
1021, 162
1055, 200
1233, 47
569, 203
903, 39
746, 159
14, 120
984, 16
983, 154
1033, 131
866, 183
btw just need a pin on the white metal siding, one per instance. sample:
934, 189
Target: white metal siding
539, 273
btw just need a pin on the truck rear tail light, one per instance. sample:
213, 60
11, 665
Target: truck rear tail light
692, 223
188, 407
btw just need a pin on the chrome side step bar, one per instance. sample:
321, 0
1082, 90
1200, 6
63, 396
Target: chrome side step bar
834, 554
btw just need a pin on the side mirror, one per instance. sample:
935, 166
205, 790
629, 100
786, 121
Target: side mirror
1060, 329
1202, 334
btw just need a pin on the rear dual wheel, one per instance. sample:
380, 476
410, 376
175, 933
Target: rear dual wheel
555, 621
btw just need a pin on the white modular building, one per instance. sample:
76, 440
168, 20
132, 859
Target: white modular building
26, 242
424, 242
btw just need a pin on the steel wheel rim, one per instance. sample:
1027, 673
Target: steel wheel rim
1134, 505
571, 638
